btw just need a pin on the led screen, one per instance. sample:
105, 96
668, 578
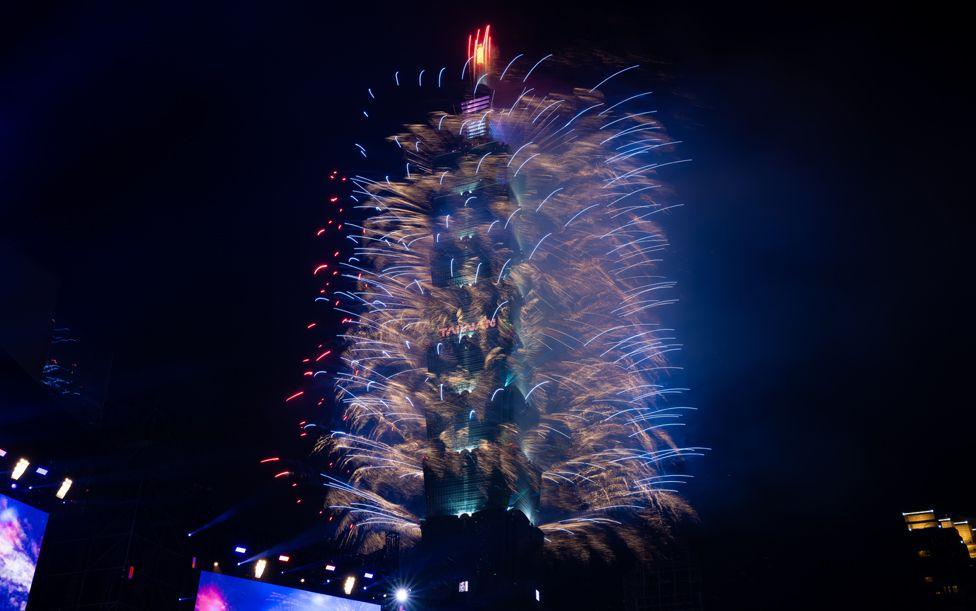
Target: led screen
218, 592
21, 531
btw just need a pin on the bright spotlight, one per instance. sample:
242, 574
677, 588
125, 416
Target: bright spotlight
348, 585
63, 490
259, 567
330, 567
240, 550
401, 595
283, 558
19, 468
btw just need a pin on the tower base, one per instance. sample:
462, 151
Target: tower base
487, 560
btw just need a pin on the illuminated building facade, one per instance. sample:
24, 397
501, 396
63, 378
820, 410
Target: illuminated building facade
943, 560
920, 520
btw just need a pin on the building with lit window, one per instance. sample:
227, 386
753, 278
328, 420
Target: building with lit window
942, 560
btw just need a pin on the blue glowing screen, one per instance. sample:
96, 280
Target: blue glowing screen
218, 592
21, 530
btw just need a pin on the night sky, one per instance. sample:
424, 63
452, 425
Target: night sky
168, 166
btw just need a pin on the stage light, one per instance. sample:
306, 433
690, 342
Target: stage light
537, 596
330, 567
463, 586
19, 468
368, 575
41, 471
283, 558
2, 452
348, 585
259, 567
63, 490
401, 595
240, 550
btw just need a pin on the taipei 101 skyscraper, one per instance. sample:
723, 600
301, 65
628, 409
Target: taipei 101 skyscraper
481, 489
476, 457
505, 385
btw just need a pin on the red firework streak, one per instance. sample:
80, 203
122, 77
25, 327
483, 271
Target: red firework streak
325, 271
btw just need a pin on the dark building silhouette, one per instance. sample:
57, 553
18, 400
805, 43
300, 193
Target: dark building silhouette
671, 583
113, 541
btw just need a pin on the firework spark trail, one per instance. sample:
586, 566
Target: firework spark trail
566, 284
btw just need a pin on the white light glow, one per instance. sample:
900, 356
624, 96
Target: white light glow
63, 490
19, 468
